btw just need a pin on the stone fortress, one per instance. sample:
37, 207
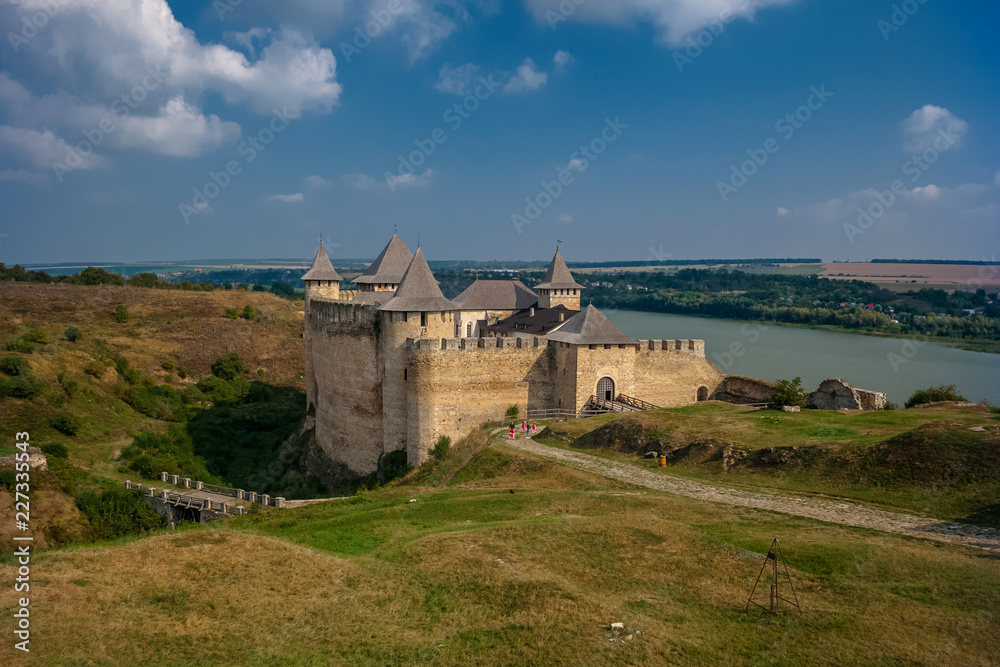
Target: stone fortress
395, 365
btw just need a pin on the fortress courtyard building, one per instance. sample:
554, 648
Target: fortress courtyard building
397, 365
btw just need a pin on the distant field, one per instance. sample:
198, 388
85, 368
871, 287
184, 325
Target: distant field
903, 277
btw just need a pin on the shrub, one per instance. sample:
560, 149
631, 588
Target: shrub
248, 312
22, 346
117, 512
56, 450
36, 335
788, 393
65, 423
15, 366
392, 466
94, 369
73, 334
144, 280
441, 447
121, 314
283, 289
934, 394
69, 386
19, 386
225, 392
232, 313
512, 411
168, 365
229, 367
889, 405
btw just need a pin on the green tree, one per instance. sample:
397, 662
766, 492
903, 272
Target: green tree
121, 314
96, 276
73, 334
229, 367
934, 394
15, 366
788, 393
144, 280
248, 312
283, 290
232, 313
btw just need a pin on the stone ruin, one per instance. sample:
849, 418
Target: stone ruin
836, 394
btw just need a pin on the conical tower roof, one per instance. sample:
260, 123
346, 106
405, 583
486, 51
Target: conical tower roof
558, 276
389, 266
321, 268
418, 290
590, 327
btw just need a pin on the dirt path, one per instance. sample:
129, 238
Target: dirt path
824, 510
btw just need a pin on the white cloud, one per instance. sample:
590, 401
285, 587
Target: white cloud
576, 164
316, 181
929, 123
359, 181
102, 56
296, 198
996, 179
527, 78
457, 80
179, 131
782, 210
563, 59
566, 217
410, 180
42, 149
674, 19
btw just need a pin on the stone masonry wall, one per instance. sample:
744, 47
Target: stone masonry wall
398, 328
743, 389
457, 384
345, 348
667, 373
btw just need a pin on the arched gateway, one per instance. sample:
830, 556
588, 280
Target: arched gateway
606, 389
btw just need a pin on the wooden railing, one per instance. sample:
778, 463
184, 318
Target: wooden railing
636, 403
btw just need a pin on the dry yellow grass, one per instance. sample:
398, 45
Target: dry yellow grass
485, 577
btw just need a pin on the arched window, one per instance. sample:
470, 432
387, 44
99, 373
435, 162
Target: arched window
468, 330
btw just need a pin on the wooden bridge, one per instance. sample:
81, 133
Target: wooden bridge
594, 406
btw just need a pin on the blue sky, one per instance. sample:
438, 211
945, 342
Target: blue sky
895, 152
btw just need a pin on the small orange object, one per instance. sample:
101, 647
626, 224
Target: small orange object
663, 461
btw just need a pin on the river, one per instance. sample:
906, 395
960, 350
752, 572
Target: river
893, 365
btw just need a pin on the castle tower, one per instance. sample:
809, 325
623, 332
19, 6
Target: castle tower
418, 309
322, 280
558, 288
386, 272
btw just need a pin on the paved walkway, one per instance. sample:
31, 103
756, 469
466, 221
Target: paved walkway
844, 513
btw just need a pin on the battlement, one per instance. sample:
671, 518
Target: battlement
324, 311
681, 345
475, 344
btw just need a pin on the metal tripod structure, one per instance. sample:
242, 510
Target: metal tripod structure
773, 554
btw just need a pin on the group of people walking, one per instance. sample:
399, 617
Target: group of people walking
527, 429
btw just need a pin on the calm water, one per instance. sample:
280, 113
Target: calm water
897, 367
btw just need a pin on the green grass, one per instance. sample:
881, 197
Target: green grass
850, 436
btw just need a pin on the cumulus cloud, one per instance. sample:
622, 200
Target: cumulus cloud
457, 80
576, 164
296, 198
180, 130
929, 123
134, 65
41, 149
527, 78
316, 181
563, 59
410, 180
782, 211
359, 181
566, 217
674, 19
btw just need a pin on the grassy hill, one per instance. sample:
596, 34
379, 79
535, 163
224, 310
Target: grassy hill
517, 561
925, 460
170, 339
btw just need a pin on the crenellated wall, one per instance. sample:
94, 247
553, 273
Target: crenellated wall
456, 384
666, 373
